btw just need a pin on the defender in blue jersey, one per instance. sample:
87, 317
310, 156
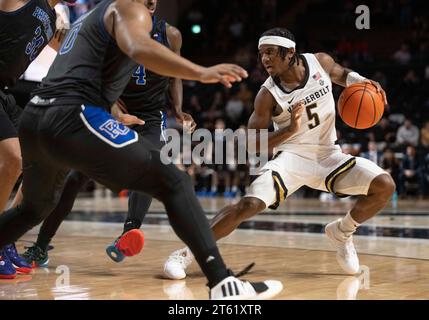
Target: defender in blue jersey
26, 27
145, 97
67, 125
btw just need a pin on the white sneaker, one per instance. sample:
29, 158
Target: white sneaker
232, 288
346, 253
176, 264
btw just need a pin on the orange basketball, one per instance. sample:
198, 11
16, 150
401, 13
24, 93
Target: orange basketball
360, 106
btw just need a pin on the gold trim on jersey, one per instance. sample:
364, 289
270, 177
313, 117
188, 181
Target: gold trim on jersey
330, 179
281, 190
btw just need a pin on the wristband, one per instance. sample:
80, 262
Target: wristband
354, 77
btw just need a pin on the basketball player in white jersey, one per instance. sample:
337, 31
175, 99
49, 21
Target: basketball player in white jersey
298, 98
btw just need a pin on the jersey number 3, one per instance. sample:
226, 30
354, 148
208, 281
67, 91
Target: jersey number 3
312, 116
32, 49
140, 75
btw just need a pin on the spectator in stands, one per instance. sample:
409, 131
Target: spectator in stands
391, 164
221, 153
346, 148
403, 55
215, 111
245, 95
424, 134
411, 174
384, 131
195, 109
426, 175
408, 134
372, 154
234, 112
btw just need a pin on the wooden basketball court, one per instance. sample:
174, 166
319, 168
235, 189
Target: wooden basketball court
286, 245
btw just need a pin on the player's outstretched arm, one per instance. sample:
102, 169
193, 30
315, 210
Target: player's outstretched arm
343, 76
130, 23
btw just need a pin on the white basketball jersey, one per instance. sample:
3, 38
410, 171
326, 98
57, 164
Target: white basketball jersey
318, 120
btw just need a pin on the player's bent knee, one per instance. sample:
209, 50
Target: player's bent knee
10, 164
248, 207
383, 186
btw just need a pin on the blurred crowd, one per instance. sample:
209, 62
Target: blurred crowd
394, 52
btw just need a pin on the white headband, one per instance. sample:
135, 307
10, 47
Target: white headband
276, 41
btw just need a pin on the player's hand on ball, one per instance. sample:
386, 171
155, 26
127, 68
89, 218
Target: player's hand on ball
223, 73
379, 89
296, 115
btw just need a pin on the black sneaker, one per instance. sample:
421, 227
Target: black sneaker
36, 256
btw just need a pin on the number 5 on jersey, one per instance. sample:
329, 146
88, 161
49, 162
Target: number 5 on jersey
140, 75
312, 116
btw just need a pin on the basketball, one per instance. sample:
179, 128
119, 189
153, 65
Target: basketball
360, 105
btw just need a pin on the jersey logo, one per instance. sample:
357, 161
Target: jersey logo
318, 77
43, 17
290, 101
114, 129
107, 129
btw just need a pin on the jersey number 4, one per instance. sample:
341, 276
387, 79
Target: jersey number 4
312, 116
140, 75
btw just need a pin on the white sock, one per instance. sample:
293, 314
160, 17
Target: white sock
348, 225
